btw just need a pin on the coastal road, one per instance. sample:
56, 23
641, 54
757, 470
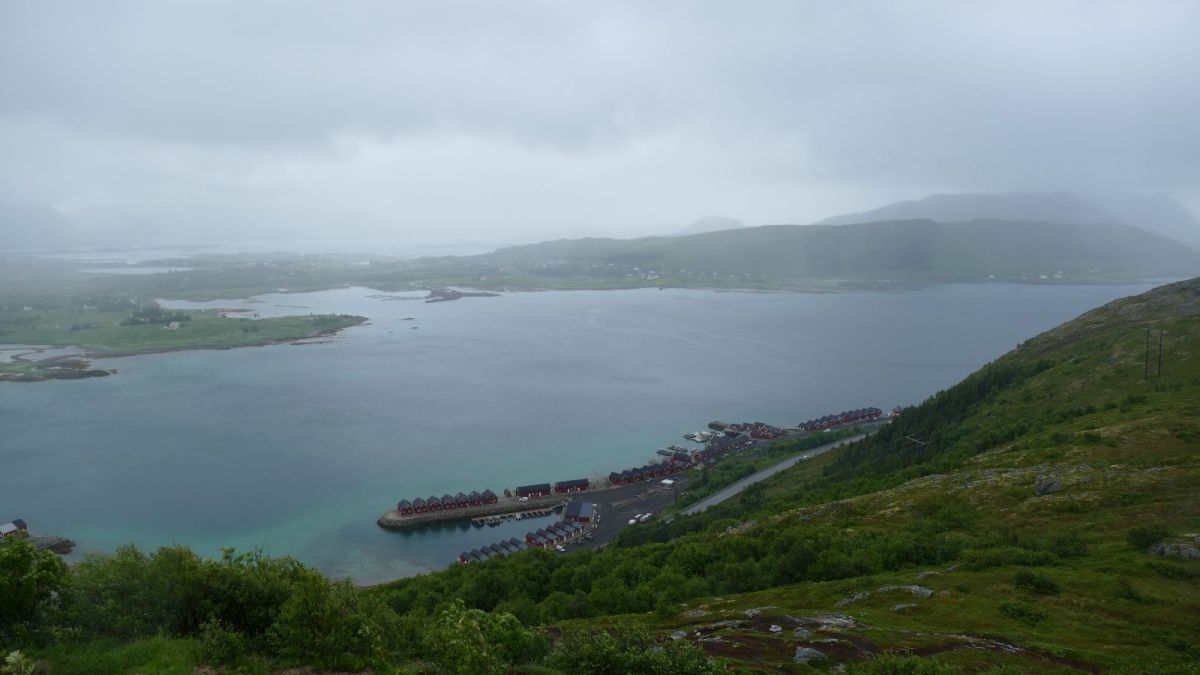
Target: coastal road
736, 488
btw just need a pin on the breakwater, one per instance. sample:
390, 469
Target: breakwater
393, 520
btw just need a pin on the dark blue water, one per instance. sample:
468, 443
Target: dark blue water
298, 448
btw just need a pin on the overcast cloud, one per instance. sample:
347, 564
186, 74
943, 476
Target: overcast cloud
525, 120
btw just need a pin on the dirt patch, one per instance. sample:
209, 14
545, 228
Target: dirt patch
1004, 647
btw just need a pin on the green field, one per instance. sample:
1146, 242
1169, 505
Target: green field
101, 333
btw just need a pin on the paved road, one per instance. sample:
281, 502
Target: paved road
714, 499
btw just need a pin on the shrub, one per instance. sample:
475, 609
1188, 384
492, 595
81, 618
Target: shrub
1038, 584
627, 650
220, 644
1022, 612
1124, 590
472, 641
1143, 537
29, 582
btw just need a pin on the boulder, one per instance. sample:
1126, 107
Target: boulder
679, 635
1186, 547
802, 633
861, 595
807, 655
917, 591
1047, 486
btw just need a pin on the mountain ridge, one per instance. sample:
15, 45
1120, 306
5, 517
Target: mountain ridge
1154, 213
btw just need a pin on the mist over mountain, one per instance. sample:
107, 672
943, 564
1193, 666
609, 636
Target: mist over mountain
919, 250
1155, 213
712, 224
29, 225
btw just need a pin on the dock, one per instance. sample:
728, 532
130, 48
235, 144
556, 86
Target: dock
518, 515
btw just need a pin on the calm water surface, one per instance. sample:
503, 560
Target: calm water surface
298, 448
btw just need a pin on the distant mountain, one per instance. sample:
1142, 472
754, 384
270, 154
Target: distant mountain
712, 224
907, 250
25, 225
1155, 213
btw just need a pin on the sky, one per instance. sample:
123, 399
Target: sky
517, 121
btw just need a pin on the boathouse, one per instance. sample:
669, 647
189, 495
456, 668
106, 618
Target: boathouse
538, 490
565, 486
12, 528
404, 507
448, 502
489, 497
579, 512
433, 503
419, 506
475, 498
461, 500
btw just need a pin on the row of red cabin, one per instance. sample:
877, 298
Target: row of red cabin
462, 501
554, 534
847, 417
446, 502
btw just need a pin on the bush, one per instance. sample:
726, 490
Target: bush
1143, 537
29, 583
219, 644
1022, 612
621, 650
327, 624
1038, 584
1124, 590
472, 641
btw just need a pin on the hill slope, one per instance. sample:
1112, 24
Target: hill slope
1155, 213
913, 250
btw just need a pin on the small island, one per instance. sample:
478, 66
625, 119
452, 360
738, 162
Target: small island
32, 339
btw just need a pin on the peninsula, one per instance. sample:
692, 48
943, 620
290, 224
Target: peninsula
59, 343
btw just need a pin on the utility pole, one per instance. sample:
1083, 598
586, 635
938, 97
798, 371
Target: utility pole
1160, 339
1146, 367
1150, 332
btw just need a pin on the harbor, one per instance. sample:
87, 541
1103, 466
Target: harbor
668, 474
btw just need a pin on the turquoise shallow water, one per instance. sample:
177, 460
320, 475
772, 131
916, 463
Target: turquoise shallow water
298, 448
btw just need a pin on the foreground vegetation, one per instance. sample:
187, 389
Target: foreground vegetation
1004, 525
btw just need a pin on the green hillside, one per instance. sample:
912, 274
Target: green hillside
914, 250
1004, 525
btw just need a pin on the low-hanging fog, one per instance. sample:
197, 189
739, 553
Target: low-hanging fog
530, 120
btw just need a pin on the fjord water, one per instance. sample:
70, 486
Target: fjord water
298, 448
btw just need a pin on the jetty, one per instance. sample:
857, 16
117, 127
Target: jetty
503, 507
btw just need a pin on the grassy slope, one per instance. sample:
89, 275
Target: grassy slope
1130, 460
